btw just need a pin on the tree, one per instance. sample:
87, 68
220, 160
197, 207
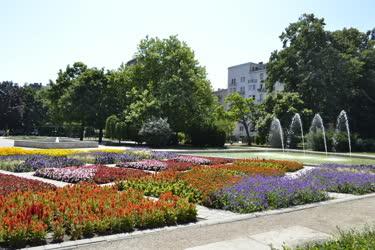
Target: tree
242, 110
11, 108
167, 68
330, 70
84, 95
34, 110
283, 105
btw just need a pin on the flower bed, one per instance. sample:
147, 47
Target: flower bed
155, 187
68, 174
162, 155
36, 162
50, 152
10, 162
112, 158
11, 183
92, 173
107, 174
192, 159
173, 165
288, 166
84, 211
333, 180
150, 165
261, 193
251, 170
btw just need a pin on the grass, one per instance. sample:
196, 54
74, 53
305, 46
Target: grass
306, 159
347, 240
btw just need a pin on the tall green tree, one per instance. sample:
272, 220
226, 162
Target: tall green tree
242, 110
86, 96
330, 70
167, 68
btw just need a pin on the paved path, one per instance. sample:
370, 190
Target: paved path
6, 142
292, 228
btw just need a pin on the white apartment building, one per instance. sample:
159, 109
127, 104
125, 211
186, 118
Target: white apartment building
248, 79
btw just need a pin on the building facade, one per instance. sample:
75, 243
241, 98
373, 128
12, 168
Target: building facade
248, 79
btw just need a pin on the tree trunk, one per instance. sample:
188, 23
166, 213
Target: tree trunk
247, 133
81, 132
100, 135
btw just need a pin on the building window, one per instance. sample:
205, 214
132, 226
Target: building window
261, 76
233, 81
242, 79
241, 128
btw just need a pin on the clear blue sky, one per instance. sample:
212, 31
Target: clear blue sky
39, 37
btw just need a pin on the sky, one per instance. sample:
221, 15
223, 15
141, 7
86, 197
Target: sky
39, 37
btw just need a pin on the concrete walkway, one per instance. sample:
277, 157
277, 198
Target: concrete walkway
292, 228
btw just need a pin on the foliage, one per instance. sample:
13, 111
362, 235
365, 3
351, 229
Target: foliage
84, 95
21, 108
84, 211
167, 68
156, 132
11, 183
331, 71
155, 187
283, 106
315, 140
242, 110
207, 135
350, 240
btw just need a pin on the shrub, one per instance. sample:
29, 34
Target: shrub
341, 143
315, 141
156, 132
209, 135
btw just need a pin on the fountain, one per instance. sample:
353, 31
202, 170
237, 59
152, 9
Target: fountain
276, 129
343, 117
317, 120
297, 120
57, 140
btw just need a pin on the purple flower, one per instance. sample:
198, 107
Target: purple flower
334, 180
35, 162
260, 193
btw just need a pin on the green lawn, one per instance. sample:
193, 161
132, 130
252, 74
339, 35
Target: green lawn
305, 158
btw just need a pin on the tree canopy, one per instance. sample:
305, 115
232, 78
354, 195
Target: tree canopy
330, 71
